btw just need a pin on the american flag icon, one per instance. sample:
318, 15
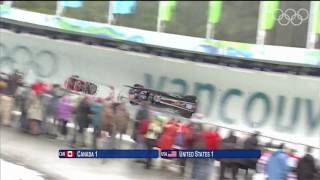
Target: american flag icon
172, 154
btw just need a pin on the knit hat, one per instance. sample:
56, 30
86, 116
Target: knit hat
38, 88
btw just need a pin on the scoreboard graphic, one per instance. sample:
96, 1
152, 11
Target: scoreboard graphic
108, 153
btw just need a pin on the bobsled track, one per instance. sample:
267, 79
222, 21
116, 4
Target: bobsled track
282, 106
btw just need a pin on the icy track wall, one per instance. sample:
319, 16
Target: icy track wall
280, 105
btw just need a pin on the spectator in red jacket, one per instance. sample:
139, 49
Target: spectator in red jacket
180, 136
212, 138
143, 127
189, 138
168, 137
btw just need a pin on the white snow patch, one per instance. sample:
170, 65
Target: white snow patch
10, 171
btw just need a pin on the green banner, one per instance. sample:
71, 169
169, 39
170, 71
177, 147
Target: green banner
166, 10
316, 17
214, 13
268, 14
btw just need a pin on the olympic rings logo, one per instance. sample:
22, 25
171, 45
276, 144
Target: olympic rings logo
291, 16
43, 63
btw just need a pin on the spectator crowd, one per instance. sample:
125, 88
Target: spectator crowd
48, 109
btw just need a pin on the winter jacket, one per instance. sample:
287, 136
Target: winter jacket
306, 168
64, 109
144, 126
46, 99
24, 100
96, 109
12, 85
250, 143
180, 136
228, 143
56, 94
34, 107
277, 166
107, 120
83, 112
212, 139
168, 137
189, 136
200, 142
122, 119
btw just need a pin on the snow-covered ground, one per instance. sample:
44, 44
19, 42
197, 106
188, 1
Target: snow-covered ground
11, 171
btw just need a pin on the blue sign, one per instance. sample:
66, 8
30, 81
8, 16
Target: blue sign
216, 154
72, 4
123, 7
155, 153
108, 153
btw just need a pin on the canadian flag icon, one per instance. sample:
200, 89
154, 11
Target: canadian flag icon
70, 154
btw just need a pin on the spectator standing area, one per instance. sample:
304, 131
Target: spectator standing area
41, 154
